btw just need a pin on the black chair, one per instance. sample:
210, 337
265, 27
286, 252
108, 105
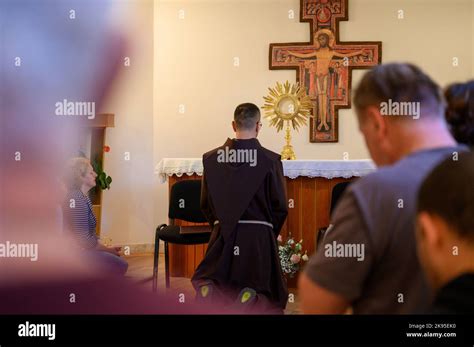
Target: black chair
336, 194
184, 204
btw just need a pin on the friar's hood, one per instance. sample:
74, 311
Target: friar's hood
234, 172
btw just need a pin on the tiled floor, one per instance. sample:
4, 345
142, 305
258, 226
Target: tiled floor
141, 267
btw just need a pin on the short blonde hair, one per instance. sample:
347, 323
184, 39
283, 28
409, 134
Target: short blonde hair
75, 170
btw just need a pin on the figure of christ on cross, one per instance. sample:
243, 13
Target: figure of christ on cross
324, 65
319, 72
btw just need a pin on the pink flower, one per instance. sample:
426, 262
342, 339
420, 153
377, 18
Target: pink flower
279, 238
295, 258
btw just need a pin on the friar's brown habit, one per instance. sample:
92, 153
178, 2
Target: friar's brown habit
235, 195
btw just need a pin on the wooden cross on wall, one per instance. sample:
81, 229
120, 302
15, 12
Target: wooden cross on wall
324, 65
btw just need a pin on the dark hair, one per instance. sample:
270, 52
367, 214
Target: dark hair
246, 116
460, 111
447, 192
400, 82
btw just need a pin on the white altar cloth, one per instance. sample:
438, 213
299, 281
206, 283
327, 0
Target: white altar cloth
292, 168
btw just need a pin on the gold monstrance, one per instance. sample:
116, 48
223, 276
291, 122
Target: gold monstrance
287, 103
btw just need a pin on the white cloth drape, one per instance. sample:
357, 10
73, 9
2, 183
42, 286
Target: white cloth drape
292, 168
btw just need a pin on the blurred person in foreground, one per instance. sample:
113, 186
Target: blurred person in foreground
40, 270
445, 234
368, 260
460, 111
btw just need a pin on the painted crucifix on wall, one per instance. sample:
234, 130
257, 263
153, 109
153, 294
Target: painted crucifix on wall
324, 64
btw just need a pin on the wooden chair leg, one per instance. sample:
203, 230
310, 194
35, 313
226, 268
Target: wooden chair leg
167, 266
155, 261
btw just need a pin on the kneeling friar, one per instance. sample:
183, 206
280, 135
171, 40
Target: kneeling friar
243, 198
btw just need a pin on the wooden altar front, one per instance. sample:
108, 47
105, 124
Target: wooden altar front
308, 212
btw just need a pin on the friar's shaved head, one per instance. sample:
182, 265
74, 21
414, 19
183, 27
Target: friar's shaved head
246, 116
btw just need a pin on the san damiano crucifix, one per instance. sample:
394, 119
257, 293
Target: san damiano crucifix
324, 65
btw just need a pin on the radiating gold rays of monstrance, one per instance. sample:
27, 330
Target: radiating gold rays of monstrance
298, 109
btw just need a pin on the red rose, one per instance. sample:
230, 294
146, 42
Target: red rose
106, 149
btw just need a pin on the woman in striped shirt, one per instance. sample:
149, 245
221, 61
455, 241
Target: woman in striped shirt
81, 221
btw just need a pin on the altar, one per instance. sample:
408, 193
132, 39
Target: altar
309, 185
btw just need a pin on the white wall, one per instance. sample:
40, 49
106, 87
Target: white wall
194, 62
194, 65
190, 61
128, 207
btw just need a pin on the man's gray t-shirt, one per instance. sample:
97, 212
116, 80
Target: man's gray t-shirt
368, 256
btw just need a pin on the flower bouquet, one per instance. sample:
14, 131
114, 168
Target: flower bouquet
291, 254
